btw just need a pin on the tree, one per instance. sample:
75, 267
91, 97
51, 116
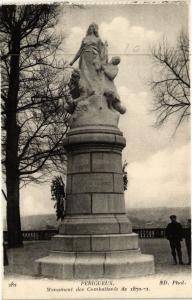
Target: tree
33, 122
171, 85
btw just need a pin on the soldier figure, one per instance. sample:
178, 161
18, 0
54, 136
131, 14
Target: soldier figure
188, 240
174, 233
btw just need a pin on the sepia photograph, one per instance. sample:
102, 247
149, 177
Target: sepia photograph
95, 150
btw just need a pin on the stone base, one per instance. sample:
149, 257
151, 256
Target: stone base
94, 243
95, 256
95, 224
93, 109
92, 265
95, 238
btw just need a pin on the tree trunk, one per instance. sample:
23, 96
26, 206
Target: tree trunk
12, 138
13, 212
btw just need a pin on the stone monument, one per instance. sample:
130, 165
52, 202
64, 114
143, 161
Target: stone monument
95, 239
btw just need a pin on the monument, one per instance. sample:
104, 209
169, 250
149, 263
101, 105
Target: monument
95, 239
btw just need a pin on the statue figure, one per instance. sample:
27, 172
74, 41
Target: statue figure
90, 57
95, 75
110, 91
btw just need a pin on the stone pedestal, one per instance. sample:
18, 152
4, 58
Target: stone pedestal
95, 239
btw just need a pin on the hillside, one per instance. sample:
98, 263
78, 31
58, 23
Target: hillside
157, 217
37, 222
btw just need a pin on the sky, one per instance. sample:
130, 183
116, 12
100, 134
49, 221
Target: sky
158, 162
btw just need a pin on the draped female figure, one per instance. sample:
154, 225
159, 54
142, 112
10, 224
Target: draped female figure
92, 55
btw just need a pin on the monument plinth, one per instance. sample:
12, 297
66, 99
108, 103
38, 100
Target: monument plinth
95, 239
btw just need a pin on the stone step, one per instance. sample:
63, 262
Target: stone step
101, 253
94, 265
95, 224
108, 242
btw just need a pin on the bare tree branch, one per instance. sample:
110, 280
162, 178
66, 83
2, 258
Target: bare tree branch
171, 83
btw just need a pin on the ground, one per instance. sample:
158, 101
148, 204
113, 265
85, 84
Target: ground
21, 260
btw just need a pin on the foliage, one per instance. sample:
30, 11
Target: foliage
58, 195
125, 177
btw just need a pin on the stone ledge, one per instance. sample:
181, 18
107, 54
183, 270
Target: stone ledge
95, 224
115, 253
104, 138
139, 265
124, 225
99, 128
89, 228
111, 242
91, 217
61, 267
88, 148
95, 265
90, 138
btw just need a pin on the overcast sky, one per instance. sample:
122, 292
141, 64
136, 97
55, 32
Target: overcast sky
158, 169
